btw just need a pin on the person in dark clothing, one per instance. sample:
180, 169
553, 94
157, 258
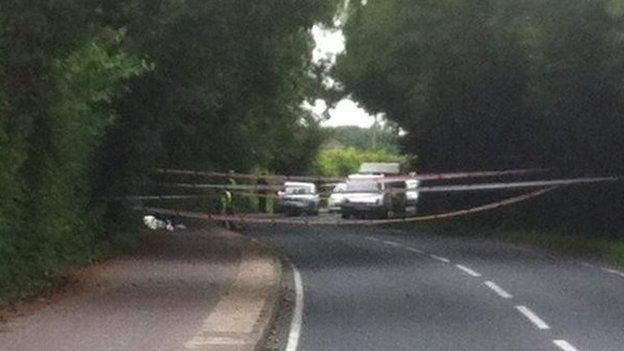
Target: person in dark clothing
262, 200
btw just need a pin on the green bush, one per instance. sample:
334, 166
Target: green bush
79, 128
341, 162
48, 217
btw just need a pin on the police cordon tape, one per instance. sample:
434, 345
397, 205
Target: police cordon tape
165, 197
234, 175
516, 185
420, 189
281, 177
247, 218
192, 196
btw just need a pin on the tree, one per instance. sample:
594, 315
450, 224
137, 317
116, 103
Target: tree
496, 84
60, 73
226, 90
492, 83
362, 138
95, 94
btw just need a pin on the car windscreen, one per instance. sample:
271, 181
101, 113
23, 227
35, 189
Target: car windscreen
297, 190
363, 186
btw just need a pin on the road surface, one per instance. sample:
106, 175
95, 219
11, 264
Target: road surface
386, 289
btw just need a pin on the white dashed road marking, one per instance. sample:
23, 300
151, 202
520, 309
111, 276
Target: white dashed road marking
392, 243
564, 345
413, 249
441, 259
295, 329
497, 289
468, 270
539, 323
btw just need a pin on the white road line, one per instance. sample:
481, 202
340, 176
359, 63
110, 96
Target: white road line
413, 249
441, 259
539, 323
468, 270
392, 243
564, 345
613, 271
295, 324
497, 289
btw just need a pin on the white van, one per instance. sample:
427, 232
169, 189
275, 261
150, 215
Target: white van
373, 197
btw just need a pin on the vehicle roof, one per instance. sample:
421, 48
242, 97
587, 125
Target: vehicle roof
380, 167
298, 184
374, 180
364, 176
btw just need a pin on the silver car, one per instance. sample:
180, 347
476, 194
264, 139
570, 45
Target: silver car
297, 198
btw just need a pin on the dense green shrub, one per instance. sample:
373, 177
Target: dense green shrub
47, 215
499, 84
84, 119
341, 162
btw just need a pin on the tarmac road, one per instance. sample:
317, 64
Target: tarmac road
387, 289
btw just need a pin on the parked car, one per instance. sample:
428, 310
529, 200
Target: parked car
298, 198
373, 197
411, 193
337, 197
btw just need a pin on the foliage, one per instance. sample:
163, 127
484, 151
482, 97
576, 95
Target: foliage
47, 218
493, 83
229, 79
95, 94
342, 162
498, 84
384, 137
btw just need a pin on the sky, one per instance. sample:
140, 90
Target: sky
347, 112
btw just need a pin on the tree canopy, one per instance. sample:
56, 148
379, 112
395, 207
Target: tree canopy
493, 83
499, 84
376, 137
95, 94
